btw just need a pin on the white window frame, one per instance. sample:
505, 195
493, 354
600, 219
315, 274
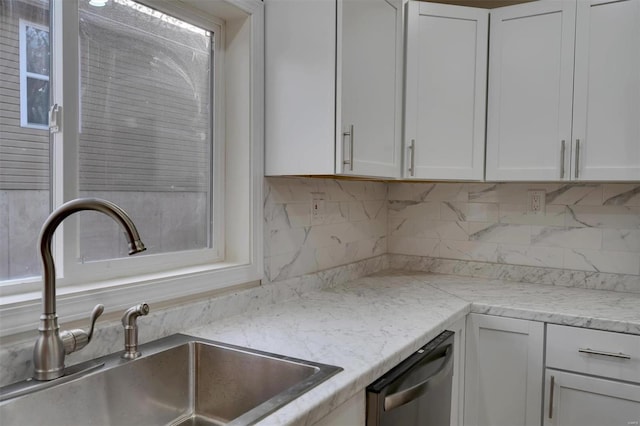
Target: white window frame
24, 74
163, 277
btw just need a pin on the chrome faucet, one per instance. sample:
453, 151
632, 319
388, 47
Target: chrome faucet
131, 330
52, 345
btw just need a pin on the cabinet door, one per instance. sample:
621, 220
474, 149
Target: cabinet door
445, 91
530, 91
577, 400
352, 413
300, 50
606, 118
370, 56
503, 372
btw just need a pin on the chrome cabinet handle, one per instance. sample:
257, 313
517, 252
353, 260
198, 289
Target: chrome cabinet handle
353, 142
590, 351
349, 162
551, 386
400, 398
413, 157
411, 150
562, 149
577, 173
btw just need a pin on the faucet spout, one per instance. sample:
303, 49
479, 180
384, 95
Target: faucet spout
52, 346
54, 220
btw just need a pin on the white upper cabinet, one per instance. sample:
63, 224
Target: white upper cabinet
606, 110
300, 61
445, 96
530, 90
333, 81
370, 56
549, 122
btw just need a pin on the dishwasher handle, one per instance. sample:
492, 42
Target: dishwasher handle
400, 398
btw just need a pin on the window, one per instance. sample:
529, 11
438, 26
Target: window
161, 113
148, 129
34, 75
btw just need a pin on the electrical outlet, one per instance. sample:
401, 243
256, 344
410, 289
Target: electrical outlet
537, 202
317, 208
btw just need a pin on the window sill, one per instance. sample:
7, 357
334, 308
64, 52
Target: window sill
20, 313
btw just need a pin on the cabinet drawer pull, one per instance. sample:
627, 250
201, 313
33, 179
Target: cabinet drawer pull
590, 351
551, 386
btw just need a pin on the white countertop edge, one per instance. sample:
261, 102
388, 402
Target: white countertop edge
604, 324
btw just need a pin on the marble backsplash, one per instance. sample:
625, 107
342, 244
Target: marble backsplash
352, 225
517, 273
585, 227
591, 227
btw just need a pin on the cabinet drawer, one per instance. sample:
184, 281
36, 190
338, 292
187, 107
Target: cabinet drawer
599, 353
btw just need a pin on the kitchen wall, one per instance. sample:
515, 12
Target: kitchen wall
585, 226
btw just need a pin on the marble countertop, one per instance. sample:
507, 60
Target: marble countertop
369, 325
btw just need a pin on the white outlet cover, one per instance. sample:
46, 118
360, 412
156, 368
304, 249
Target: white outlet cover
536, 201
317, 208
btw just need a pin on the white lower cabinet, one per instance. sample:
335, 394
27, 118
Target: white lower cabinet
592, 378
457, 387
503, 371
579, 400
351, 413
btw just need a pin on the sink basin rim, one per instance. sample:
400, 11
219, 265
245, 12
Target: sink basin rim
103, 364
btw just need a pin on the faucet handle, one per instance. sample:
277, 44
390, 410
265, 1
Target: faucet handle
76, 339
95, 313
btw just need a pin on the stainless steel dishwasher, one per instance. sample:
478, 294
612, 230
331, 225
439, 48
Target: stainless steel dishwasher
418, 390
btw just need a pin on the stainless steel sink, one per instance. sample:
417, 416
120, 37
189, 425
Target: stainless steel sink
179, 380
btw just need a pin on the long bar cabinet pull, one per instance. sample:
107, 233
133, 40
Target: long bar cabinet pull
551, 386
412, 148
562, 149
349, 133
590, 351
577, 174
